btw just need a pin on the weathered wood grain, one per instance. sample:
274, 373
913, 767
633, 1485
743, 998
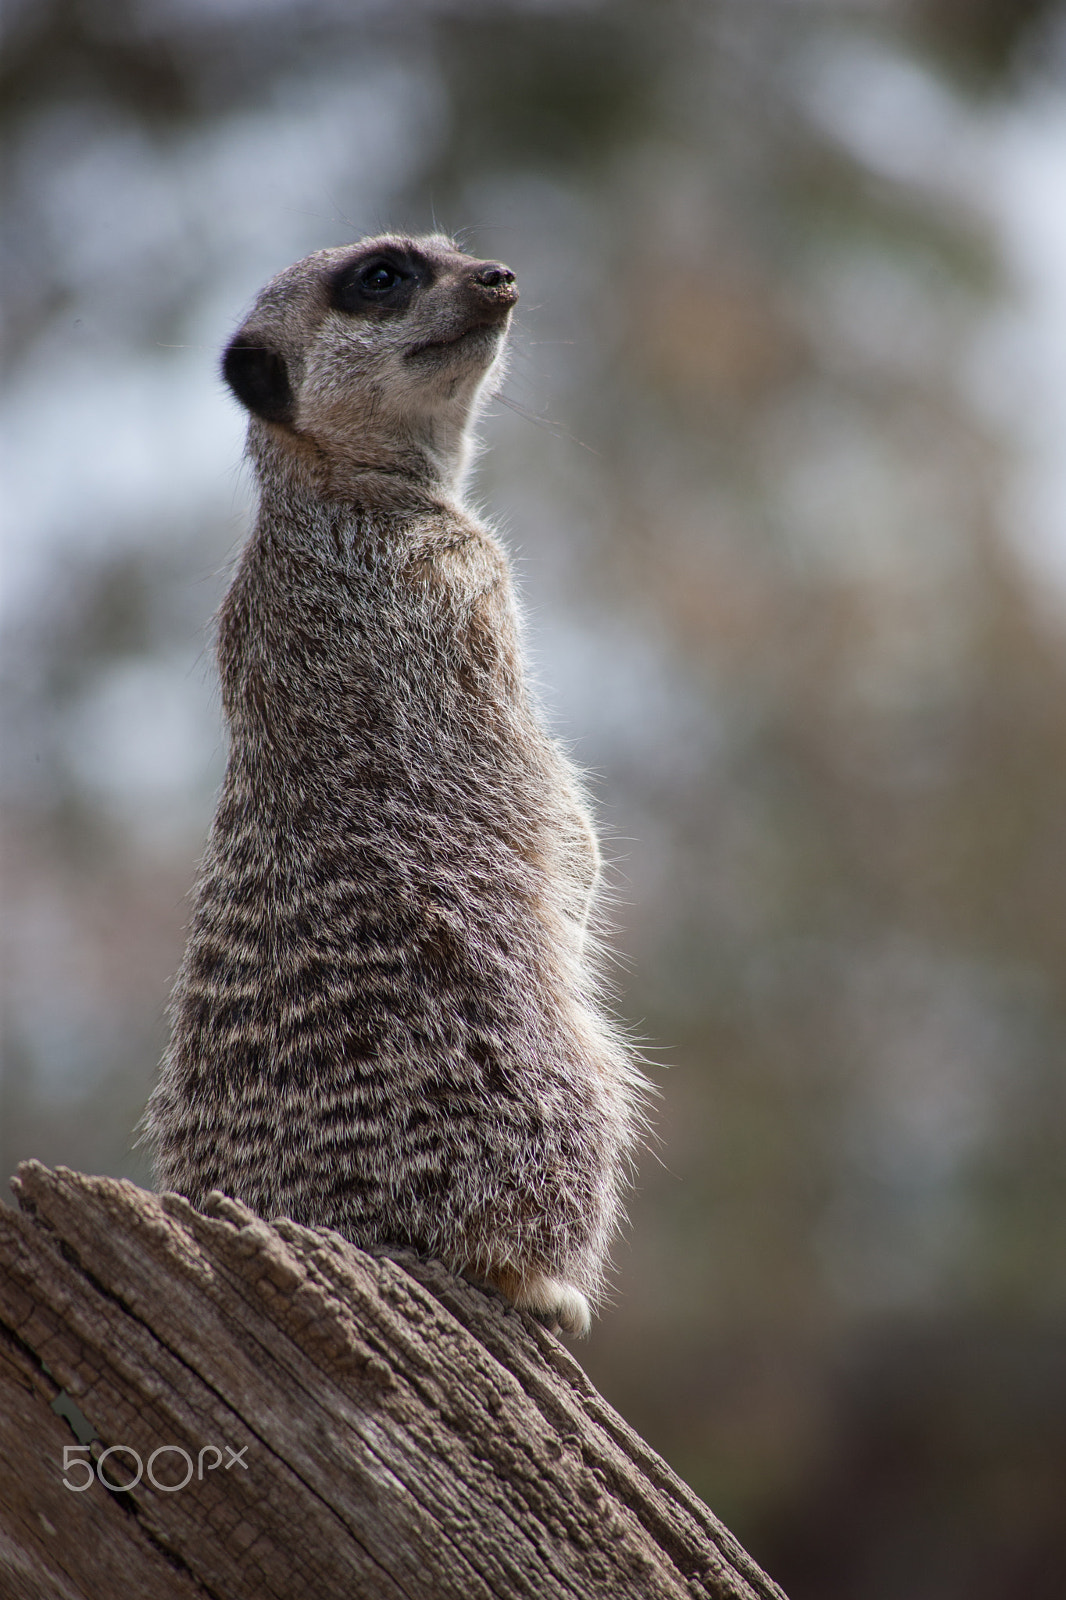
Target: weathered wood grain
382, 1428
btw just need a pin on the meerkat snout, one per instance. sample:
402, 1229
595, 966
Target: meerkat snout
482, 302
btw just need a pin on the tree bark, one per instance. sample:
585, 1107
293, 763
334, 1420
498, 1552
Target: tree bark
381, 1427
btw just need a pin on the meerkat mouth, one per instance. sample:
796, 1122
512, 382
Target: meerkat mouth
454, 340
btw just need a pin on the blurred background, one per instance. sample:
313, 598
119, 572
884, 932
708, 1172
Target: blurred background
782, 460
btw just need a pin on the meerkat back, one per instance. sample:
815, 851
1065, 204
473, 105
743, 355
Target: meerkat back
386, 1021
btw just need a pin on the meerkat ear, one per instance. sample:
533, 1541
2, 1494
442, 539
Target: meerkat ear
259, 378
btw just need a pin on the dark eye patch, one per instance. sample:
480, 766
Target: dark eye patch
385, 279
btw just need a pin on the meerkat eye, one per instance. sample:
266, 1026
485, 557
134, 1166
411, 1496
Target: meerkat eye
383, 281
379, 278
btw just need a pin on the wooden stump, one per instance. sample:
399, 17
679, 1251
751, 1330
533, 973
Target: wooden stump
302, 1418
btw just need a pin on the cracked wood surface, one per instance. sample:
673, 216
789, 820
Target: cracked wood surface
383, 1428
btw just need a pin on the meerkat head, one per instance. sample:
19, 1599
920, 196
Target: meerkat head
373, 356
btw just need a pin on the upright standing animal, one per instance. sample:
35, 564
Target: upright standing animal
386, 1021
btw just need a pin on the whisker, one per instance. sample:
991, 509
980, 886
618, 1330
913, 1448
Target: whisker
554, 428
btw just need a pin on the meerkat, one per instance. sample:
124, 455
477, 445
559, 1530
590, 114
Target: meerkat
388, 1021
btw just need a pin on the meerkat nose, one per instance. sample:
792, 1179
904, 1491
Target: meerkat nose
495, 285
493, 275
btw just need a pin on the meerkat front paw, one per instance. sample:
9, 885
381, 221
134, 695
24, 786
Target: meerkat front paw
553, 1301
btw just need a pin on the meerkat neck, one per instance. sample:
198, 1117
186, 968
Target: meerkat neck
292, 467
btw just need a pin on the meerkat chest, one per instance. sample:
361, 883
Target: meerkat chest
401, 636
